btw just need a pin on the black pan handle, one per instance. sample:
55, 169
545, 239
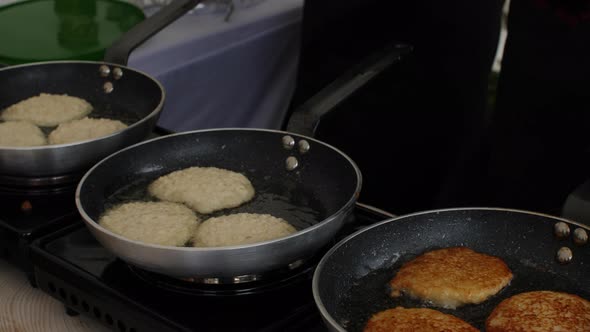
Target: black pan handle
119, 51
305, 119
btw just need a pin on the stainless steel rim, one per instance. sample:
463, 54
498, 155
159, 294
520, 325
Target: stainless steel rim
94, 224
319, 268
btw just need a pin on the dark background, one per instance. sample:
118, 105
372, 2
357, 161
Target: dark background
435, 131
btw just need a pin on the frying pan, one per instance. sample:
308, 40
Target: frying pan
315, 196
350, 282
115, 91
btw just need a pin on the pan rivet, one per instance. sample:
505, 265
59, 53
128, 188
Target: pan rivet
580, 236
108, 87
117, 73
288, 142
564, 255
104, 70
561, 230
303, 146
292, 163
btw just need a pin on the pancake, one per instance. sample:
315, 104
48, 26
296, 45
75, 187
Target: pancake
451, 277
84, 129
47, 110
203, 189
240, 228
162, 223
20, 134
540, 311
411, 320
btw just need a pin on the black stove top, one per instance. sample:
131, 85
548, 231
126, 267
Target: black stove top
25, 216
73, 267
33, 207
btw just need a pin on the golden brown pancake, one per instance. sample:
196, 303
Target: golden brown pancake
451, 277
411, 320
540, 311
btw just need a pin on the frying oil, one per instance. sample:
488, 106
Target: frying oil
277, 199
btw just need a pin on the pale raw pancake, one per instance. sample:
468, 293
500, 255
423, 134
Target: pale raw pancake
204, 189
20, 134
541, 311
48, 110
412, 320
163, 223
240, 228
84, 129
451, 277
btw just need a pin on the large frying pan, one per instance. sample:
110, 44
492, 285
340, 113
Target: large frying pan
350, 283
115, 91
315, 195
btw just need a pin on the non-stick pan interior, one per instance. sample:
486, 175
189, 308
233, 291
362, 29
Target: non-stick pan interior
352, 283
323, 183
133, 97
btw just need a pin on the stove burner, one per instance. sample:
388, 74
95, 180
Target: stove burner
244, 278
49, 185
298, 271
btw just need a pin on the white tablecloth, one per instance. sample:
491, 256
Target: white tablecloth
239, 73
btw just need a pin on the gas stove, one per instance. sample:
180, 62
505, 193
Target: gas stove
36, 206
74, 268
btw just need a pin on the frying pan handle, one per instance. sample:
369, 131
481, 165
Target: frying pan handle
375, 210
305, 119
119, 51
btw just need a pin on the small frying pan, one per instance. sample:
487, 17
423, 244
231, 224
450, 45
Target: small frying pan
350, 283
116, 92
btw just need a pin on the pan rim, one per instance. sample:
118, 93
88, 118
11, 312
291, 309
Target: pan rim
94, 224
316, 275
153, 113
